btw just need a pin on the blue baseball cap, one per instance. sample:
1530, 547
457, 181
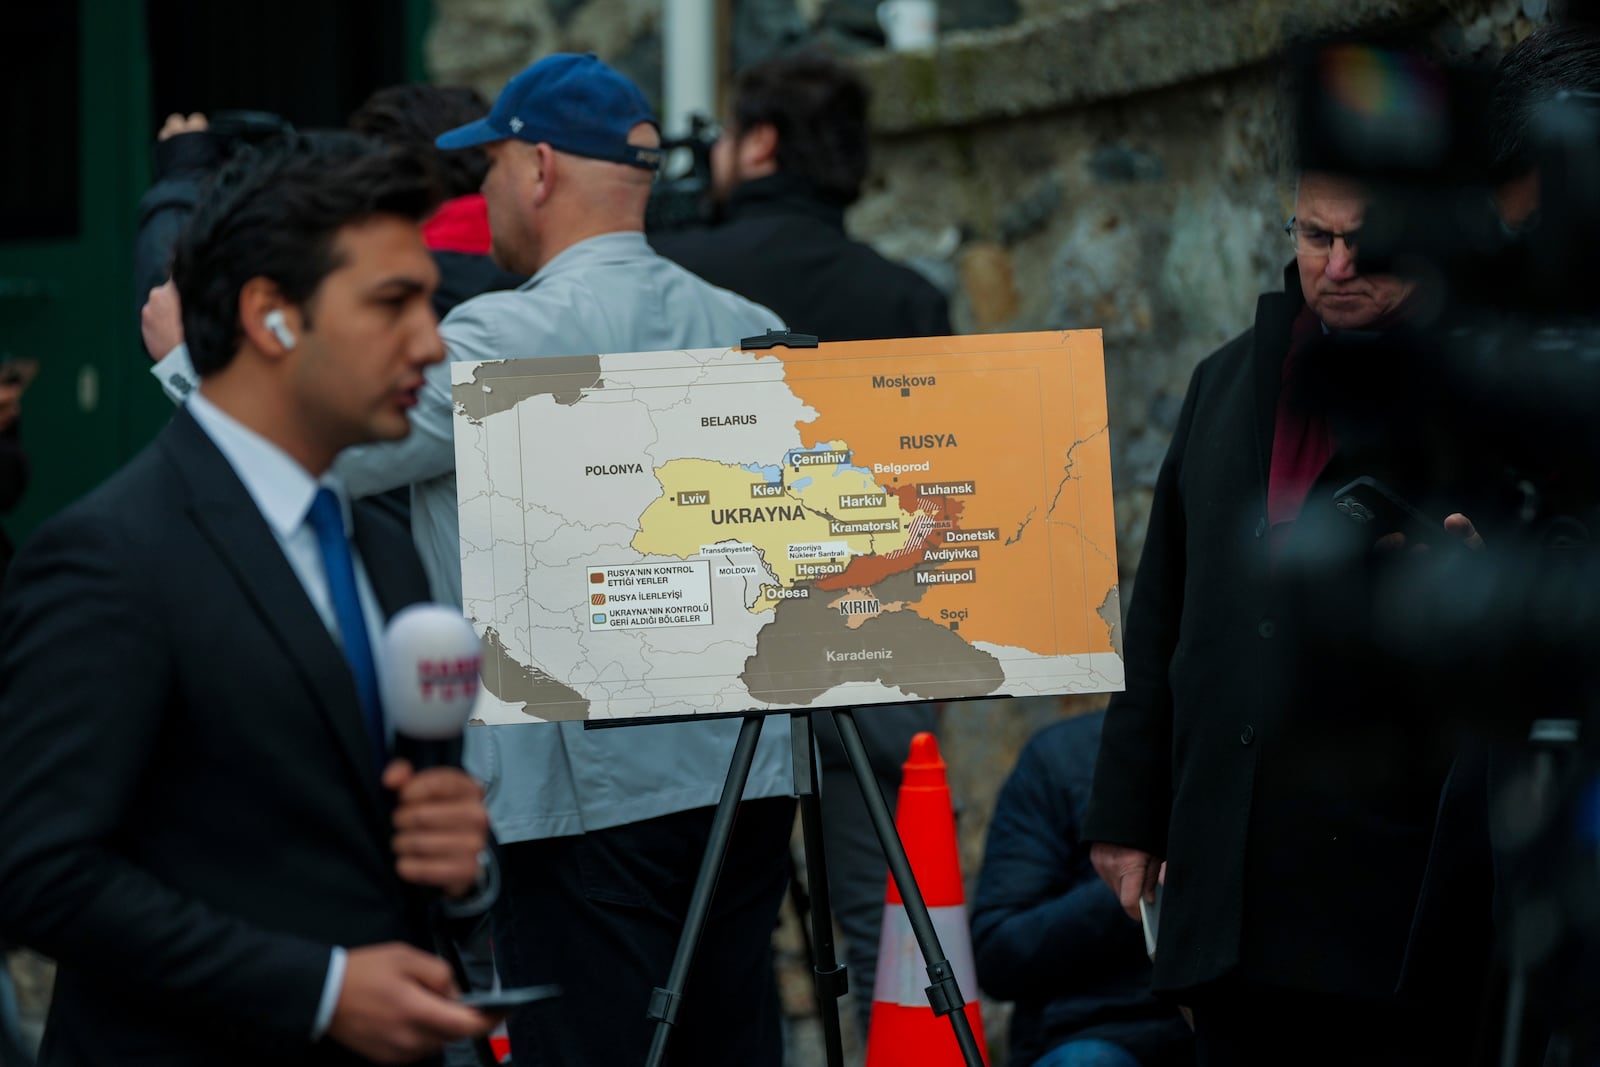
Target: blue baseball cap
574, 104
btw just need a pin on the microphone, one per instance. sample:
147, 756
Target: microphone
428, 680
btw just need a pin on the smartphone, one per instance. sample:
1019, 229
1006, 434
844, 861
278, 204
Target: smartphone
1382, 511
495, 1000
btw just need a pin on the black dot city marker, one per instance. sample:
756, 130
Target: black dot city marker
905, 392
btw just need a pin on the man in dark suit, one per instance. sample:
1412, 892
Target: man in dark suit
198, 817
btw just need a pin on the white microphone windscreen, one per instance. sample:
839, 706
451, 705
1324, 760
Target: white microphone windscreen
428, 671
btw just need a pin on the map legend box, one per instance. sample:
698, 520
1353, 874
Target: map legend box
640, 595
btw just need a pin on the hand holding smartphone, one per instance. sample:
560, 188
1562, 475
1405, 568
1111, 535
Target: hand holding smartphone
1382, 511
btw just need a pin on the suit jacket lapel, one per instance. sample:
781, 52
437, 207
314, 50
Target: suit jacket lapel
397, 578
222, 509
396, 575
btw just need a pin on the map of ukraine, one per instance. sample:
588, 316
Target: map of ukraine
720, 531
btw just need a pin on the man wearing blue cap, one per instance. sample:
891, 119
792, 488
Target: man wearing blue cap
601, 831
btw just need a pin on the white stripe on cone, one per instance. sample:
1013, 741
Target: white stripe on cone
902, 976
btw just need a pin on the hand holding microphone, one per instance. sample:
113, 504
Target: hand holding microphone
397, 1003
428, 677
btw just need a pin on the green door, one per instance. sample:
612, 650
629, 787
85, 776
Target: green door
83, 87
73, 111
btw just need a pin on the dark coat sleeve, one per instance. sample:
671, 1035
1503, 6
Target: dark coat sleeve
1043, 924
182, 163
88, 664
1132, 798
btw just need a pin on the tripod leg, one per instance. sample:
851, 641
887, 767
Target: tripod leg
829, 978
944, 993
665, 1001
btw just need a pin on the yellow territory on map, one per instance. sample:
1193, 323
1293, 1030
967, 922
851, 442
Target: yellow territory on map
704, 502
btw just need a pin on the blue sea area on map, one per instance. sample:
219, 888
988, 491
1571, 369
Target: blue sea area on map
774, 473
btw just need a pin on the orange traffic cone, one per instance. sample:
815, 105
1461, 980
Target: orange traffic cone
905, 1032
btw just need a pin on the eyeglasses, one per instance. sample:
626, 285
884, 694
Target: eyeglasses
1313, 242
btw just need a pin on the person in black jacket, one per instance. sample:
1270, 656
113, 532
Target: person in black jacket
1295, 816
188, 149
1048, 934
784, 170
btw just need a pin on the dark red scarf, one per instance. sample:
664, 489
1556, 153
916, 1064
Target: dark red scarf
1302, 442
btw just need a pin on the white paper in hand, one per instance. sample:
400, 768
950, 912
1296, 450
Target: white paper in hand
1150, 918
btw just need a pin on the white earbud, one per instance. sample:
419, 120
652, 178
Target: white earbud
279, 328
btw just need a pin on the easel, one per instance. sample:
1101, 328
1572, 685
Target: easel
830, 977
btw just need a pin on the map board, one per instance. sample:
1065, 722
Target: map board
720, 531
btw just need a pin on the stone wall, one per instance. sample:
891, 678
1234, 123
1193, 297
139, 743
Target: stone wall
1116, 164
1110, 164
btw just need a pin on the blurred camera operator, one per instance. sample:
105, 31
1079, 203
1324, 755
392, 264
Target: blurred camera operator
1563, 57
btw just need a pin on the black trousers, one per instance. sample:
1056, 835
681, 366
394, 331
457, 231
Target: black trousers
600, 914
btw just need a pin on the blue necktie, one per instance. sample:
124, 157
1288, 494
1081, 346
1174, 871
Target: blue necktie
327, 519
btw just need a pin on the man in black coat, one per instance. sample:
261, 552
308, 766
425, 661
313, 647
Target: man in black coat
1295, 818
199, 820
786, 168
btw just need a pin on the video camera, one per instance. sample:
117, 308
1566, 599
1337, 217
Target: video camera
1484, 402
1417, 133
684, 201
1490, 389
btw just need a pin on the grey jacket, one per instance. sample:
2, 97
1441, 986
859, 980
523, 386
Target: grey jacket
609, 294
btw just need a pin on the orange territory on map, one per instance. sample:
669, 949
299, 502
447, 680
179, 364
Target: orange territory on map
1041, 484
